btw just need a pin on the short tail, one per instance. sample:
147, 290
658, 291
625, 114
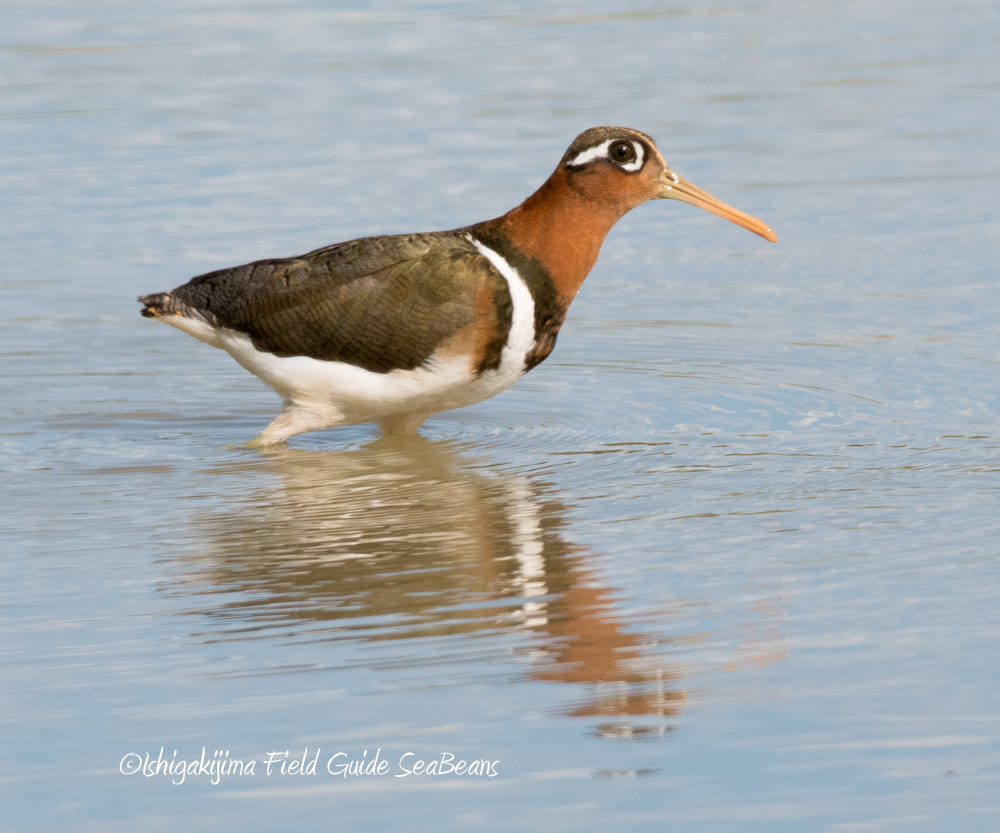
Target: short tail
158, 304
165, 304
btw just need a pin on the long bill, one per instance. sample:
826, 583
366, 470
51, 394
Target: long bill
675, 188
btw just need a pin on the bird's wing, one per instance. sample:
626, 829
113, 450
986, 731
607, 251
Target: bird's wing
380, 303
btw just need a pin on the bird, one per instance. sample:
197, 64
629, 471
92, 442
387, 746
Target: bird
393, 329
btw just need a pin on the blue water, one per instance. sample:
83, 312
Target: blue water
725, 562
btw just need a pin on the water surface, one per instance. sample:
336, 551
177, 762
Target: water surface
724, 562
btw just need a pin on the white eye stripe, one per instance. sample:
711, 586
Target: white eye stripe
636, 163
601, 152
597, 152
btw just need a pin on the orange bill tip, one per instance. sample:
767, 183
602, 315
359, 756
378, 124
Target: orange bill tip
674, 187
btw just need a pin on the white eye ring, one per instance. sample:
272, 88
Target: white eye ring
601, 152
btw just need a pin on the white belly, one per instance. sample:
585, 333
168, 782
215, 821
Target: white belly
350, 395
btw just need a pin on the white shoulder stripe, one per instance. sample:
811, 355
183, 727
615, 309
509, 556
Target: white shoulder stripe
521, 337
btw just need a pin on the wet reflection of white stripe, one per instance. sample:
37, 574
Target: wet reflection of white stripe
528, 547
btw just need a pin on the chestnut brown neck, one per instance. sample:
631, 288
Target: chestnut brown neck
562, 228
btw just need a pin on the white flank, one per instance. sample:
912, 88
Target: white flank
601, 152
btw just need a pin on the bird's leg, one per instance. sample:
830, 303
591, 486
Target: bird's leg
404, 424
294, 419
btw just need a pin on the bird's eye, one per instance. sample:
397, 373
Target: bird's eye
622, 152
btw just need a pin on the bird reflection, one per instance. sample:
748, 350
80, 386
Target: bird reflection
397, 542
